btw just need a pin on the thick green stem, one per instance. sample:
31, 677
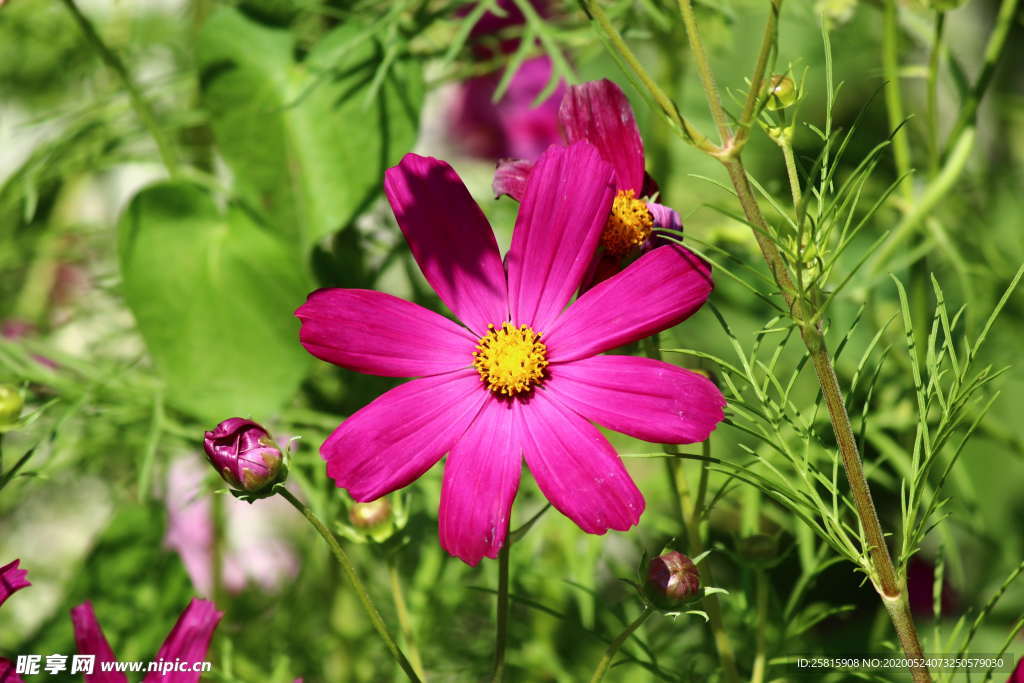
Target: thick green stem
884, 571
894, 98
350, 571
613, 647
139, 103
993, 51
933, 94
404, 618
501, 637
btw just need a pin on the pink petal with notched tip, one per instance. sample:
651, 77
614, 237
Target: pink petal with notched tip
647, 399
576, 468
598, 112
481, 477
559, 222
389, 443
12, 580
89, 640
658, 290
450, 239
379, 334
189, 641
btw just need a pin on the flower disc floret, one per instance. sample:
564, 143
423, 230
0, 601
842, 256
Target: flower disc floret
511, 360
629, 224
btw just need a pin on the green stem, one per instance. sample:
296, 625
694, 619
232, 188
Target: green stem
761, 650
757, 81
707, 76
501, 637
613, 647
993, 51
668, 107
350, 571
139, 103
894, 98
786, 143
404, 618
933, 94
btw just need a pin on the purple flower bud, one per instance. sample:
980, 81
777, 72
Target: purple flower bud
244, 454
672, 578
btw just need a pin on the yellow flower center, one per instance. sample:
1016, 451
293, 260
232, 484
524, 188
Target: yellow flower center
629, 224
510, 360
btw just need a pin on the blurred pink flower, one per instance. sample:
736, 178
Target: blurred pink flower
1018, 674
254, 550
188, 642
512, 126
492, 392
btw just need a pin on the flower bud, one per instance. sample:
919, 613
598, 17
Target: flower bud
370, 515
781, 92
244, 455
11, 403
672, 578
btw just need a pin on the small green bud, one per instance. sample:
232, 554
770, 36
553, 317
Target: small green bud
370, 515
781, 92
11, 404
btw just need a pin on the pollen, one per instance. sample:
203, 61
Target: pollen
629, 224
511, 360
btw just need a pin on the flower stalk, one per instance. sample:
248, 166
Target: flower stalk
501, 637
613, 647
404, 618
350, 571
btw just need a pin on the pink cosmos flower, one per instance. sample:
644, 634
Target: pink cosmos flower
511, 127
256, 550
188, 641
521, 376
12, 580
599, 113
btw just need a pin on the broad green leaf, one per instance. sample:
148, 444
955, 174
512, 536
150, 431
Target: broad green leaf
307, 140
213, 293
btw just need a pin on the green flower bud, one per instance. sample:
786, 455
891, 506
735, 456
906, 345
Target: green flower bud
781, 92
11, 404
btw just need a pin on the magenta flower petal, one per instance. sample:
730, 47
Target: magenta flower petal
664, 216
389, 443
660, 289
559, 222
450, 239
511, 178
12, 580
645, 398
7, 667
89, 640
598, 111
577, 469
188, 641
481, 477
379, 334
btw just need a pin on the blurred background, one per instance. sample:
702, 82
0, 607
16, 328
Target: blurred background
172, 187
